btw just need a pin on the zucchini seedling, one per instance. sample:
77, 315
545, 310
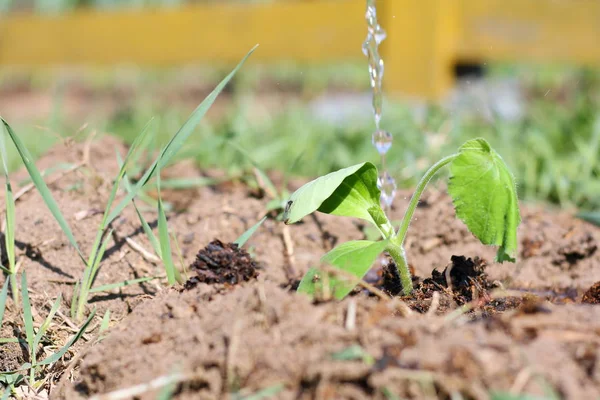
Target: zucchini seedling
481, 187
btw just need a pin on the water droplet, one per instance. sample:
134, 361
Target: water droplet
365, 48
387, 186
379, 35
382, 140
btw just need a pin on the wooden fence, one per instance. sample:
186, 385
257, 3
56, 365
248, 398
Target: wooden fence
426, 38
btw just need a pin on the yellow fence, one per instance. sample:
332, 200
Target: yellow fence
426, 38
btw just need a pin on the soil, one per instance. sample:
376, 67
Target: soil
472, 328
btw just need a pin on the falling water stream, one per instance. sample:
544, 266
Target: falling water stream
381, 139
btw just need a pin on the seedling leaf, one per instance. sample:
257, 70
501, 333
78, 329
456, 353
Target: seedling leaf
176, 141
355, 258
56, 356
112, 286
350, 192
41, 186
592, 217
485, 197
3, 295
246, 235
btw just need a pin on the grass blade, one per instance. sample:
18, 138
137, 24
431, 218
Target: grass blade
105, 322
246, 235
187, 183
111, 286
165, 241
9, 234
5, 394
3, 296
148, 231
40, 333
27, 315
28, 321
56, 356
177, 140
41, 186
264, 182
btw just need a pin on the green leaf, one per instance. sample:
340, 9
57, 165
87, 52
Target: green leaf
42, 187
165, 241
27, 315
40, 333
485, 197
56, 356
592, 217
510, 396
350, 192
3, 295
112, 286
177, 141
355, 258
246, 235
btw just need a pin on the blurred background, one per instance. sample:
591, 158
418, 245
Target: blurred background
521, 73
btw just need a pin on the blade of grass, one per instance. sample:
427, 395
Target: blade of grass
137, 143
165, 242
263, 179
105, 322
89, 275
40, 333
246, 235
148, 231
111, 286
177, 141
28, 321
41, 186
187, 183
10, 340
3, 296
6, 394
56, 356
9, 234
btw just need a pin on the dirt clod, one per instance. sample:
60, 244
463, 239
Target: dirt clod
467, 278
223, 263
592, 296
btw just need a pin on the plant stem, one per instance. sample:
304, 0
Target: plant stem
395, 248
399, 257
414, 201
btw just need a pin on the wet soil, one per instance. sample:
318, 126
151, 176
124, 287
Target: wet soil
471, 328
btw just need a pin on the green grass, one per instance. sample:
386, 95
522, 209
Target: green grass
92, 263
552, 150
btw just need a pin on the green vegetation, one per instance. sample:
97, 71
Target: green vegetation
161, 245
482, 189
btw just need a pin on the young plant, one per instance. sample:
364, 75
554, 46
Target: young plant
32, 341
9, 225
481, 187
92, 263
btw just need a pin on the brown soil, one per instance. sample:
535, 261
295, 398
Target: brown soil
521, 328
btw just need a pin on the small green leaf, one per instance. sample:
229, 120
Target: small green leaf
112, 286
56, 356
485, 197
248, 234
355, 258
350, 192
3, 295
592, 217
354, 352
41, 186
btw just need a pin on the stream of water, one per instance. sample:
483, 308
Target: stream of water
381, 139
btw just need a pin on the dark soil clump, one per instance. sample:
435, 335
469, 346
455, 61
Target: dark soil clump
592, 296
223, 263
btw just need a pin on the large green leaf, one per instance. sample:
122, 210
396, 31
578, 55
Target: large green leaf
349, 192
485, 197
355, 258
